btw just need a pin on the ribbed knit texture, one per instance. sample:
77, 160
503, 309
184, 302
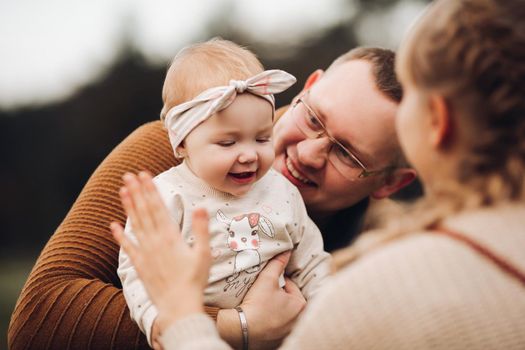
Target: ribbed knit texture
73, 298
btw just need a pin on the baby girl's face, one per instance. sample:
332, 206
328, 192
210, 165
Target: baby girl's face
233, 148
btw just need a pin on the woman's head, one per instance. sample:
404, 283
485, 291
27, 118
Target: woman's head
463, 73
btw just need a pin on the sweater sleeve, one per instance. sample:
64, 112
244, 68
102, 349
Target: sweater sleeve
195, 332
309, 265
72, 298
142, 310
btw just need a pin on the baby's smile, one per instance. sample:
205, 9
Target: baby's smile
243, 177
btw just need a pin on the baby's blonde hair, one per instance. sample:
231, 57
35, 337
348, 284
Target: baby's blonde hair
205, 65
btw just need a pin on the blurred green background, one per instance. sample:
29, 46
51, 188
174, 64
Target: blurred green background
77, 77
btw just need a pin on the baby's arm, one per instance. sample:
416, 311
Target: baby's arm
142, 310
309, 264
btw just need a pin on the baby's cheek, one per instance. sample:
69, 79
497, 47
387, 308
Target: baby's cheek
255, 243
233, 245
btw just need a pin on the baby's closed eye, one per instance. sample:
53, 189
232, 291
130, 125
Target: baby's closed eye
226, 143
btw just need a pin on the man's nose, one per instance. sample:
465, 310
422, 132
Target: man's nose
248, 155
313, 152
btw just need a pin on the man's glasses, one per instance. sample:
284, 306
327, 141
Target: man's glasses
346, 163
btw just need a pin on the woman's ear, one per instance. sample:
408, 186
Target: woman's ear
394, 182
440, 122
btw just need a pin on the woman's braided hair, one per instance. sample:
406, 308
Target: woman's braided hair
473, 53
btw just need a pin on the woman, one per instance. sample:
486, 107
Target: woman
451, 275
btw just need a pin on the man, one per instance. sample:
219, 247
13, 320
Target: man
353, 103
336, 143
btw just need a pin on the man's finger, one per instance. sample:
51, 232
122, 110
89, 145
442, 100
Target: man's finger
291, 288
276, 266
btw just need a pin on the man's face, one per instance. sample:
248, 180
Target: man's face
357, 114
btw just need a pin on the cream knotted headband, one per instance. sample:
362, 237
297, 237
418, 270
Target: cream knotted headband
182, 119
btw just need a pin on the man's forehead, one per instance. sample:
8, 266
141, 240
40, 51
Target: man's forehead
347, 80
354, 110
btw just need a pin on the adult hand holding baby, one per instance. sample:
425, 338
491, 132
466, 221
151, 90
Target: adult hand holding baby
272, 309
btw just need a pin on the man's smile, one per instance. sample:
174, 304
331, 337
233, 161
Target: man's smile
294, 175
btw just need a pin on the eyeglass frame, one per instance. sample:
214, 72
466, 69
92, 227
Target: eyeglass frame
324, 132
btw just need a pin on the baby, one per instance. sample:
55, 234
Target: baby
219, 111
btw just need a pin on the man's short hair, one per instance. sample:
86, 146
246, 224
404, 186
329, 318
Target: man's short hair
383, 68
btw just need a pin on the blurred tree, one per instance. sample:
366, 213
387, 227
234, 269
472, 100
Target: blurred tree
49, 152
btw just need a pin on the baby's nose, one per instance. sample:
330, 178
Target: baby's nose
244, 240
248, 156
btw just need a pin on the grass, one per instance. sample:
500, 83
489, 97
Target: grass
13, 274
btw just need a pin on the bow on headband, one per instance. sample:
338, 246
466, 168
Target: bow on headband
182, 119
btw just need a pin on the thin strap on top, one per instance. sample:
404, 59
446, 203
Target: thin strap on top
499, 261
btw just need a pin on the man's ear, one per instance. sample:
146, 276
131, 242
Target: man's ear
312, 79
394, 182
440, 122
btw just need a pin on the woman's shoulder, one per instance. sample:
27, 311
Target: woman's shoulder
415, 267
422, 286
499, 228
375, 252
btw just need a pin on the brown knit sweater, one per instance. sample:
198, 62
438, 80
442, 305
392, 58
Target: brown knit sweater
73, 298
